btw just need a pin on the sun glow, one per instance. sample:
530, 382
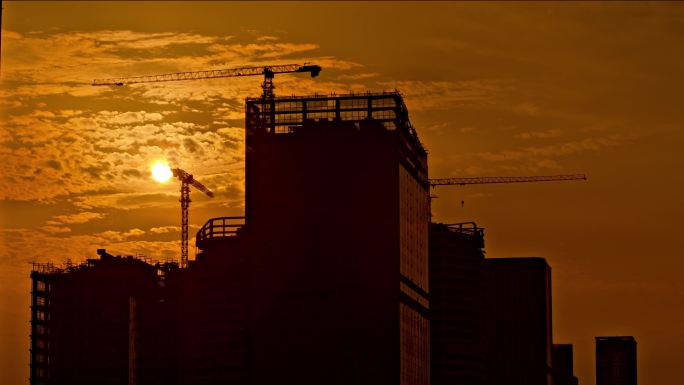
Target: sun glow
161, 172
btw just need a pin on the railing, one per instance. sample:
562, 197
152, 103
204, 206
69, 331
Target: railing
46, 268
469, 229
387, 108
219, 228
331, 96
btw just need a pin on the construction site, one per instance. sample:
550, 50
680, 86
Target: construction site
353, 282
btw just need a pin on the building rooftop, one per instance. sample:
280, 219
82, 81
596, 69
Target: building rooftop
285, 113
615, 338
70, 267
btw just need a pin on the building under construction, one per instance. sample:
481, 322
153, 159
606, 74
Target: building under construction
325, 282
337, 218
332, 277
105, 321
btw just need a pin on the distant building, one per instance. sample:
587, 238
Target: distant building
337, 224
456, 258
563, 372
101, 322
616, 362
517, 308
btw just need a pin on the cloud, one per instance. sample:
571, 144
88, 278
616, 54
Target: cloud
267, 38
528, 109
165, 229
82, 217
263, 49
557, 150
134, 233
129, 117
108, 149
55, 229
146, 41
21, 245
542, 134
359, 76
118, 236
433, 95
88, 150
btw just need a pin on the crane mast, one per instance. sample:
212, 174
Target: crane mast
187, 180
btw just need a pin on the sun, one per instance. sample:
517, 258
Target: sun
161, 172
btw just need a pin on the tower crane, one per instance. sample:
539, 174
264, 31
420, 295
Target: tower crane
500, 179
187, 180
268, 71
503, 179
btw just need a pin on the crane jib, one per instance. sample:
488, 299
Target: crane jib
504, 179
267, 71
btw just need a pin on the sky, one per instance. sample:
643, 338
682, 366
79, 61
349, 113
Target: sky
494, 89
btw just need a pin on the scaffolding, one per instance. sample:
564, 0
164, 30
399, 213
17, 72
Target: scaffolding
282, 115
60, 294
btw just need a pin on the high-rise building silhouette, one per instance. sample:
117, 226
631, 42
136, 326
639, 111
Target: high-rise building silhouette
456, 257
563, 372
616, 361
517, 308
337, 225
104, 321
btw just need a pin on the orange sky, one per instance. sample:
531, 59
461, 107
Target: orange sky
493, 89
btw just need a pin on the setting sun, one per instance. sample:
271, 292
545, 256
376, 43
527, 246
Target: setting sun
161, 172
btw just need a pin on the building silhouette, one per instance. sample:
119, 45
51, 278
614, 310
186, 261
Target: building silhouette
517, 308
563, 372
616, 362
325, 280
337, 227
104, 321
212, 296
334, 276
456, 257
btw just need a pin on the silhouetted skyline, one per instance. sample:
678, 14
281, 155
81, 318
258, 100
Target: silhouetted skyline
494, 89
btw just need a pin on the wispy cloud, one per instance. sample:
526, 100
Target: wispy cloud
82, 217
165, 229
55, 229
425, 95
592, 144
542, 134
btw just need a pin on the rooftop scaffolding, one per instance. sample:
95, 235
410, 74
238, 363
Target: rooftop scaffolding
281, 115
